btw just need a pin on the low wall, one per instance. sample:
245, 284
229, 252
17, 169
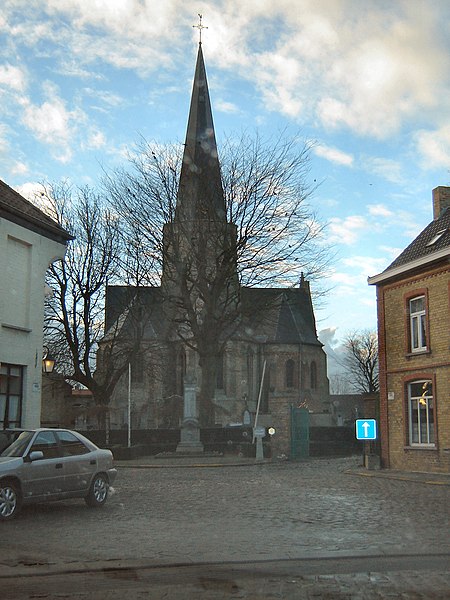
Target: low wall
324, 441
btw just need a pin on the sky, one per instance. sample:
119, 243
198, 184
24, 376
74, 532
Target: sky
368, 82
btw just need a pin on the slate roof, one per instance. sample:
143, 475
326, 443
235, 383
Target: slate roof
282, 315
419, 248
269, 315
17, 209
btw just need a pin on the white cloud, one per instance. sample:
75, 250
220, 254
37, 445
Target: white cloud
333, 155
388, 169
434, 147
52, 123
19, 168
12, 77
226, 107
347, 231
379, 210
30, 190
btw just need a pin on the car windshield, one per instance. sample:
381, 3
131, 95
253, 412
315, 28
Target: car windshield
18, 447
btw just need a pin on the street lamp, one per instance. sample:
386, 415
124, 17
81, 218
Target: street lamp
48, 362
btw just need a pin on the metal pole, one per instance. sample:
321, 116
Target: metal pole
259, 400
129, 405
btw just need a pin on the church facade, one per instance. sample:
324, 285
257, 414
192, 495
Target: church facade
246, 350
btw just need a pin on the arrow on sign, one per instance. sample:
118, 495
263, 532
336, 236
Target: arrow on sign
366, 428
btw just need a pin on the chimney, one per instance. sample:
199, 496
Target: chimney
441, 200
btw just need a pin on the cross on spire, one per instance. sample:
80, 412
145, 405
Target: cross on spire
200, 26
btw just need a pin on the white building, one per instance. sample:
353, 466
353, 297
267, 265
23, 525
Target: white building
29, 242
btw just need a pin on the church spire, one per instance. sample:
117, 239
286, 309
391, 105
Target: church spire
200, 193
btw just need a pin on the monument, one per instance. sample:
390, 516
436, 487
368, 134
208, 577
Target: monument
190, 429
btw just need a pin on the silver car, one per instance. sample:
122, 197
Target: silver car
53, 464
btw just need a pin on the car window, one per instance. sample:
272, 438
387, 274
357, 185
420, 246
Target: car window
45, 441
20, 444
71, 445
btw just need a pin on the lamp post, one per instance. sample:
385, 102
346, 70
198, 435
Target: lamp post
48, 362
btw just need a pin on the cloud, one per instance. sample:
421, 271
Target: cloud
379, 210
348, 230
19, 168
434, 147
333, 155
388, 169
52, 123
226, 107
12, 77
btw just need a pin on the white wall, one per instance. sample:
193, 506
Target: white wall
24, 259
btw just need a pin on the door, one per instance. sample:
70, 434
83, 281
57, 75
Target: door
79, 462
44, 477
299, 433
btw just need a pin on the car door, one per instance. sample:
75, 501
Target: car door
79, 462
43, 477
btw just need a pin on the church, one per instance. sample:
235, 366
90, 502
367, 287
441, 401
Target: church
243, 350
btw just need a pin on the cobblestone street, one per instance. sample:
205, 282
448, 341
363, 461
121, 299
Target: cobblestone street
266, 512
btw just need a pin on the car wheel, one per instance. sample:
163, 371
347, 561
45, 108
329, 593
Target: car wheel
98, 491
9, 501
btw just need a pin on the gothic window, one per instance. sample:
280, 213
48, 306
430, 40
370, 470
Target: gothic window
220, 384
250, 372
313, 374
181, 371
289, 373
137, 368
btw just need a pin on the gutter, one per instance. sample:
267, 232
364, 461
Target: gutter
419, 262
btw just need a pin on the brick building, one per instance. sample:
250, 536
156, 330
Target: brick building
413, 299
273, 340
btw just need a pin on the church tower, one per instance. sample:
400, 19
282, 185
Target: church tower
199, 265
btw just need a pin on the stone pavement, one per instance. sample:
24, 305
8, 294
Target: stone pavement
203, 529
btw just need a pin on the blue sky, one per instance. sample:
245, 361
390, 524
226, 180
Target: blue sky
369, 82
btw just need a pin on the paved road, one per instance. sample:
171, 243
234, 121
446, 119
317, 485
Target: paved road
257, 514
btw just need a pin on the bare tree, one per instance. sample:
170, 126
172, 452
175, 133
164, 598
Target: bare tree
361, 360
74, 313
269, 236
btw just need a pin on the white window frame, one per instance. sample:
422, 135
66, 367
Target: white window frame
421, 409
418, 326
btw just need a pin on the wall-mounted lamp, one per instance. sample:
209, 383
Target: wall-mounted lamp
48, 362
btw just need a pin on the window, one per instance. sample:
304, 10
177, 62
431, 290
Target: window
421, 413
313, 374
289, 373
71, 445
220, 383
417, 324
45, 441
137, 368
11, 384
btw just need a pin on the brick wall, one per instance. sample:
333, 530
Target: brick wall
398, 366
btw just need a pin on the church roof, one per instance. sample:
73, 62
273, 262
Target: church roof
200, 192
279, 315
270, 315
17, 209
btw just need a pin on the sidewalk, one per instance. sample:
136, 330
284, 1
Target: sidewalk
199, 461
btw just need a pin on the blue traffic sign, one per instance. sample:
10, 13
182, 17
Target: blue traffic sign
366, 429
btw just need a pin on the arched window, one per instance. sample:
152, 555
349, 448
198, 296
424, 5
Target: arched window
313, 373
181, 368
250, 372
220, 384
289, 373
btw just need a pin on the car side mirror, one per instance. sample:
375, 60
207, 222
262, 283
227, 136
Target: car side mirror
36, 455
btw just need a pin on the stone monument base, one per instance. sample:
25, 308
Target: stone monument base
190, 438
